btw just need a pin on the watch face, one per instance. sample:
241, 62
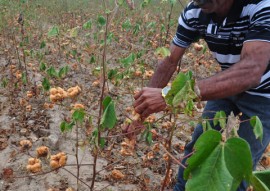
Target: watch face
165, 90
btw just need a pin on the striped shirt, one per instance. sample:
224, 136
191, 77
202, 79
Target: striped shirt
248, 20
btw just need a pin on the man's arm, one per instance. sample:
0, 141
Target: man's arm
149, 99
166, 68
241, 76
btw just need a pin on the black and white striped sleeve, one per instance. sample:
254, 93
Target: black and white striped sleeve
259, 29
186, 31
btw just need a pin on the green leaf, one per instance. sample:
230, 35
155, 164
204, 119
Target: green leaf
172, 2
52, 72
177, 85
120, 2
212, 174
26, 52
149, 137
238, 158
78, 115
4, 82
220, 118
126, 25
42, 66
106, 101
101, 20
185, 94
108, 119
256, 123
151, 25
53, 32
162, 52
206, 125
63, 71
108, 11
63, 126
145, 3
70, 125
46, 84
87, 25
43, 44
24, 78
74, 32
95, 133
92, 59
206, 143
112, 73
136, 29
223, 165
102, 142
204, 49
262, 180
126, 62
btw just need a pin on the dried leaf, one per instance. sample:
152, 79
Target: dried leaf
7, 173
232, 126
116, 174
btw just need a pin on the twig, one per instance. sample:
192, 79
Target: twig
177, 161
101, 99
33, 175
104, 187
169, 161
123, 134
188, 155
76, 177
108, 166
181, 4
80, 164
169, 24
77, 156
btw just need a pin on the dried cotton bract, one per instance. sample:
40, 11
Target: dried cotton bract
116, 174
74, 91
57, 94
28, 108
150, 119
127, 147
198, 47
58, 160
265, 161
42, 151
25, 144
77, 106
34, 165
29, 94
148, 74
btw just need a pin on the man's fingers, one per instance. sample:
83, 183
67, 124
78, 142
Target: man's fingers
140, 107
145, 114
137, 95
137, 102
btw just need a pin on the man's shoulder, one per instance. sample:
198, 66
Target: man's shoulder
191, 6
253, 7
192, 10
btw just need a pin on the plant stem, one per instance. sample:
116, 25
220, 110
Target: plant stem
77, 156
169, 24
76, 177
101, 99
169, 161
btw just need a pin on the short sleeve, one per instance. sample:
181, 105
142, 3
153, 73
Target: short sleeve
186, 31
259, 29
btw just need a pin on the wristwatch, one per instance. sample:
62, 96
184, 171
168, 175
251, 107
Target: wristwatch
165, 91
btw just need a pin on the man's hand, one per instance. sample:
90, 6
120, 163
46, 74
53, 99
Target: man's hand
149, 101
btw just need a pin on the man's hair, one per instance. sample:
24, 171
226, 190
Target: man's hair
201, 2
